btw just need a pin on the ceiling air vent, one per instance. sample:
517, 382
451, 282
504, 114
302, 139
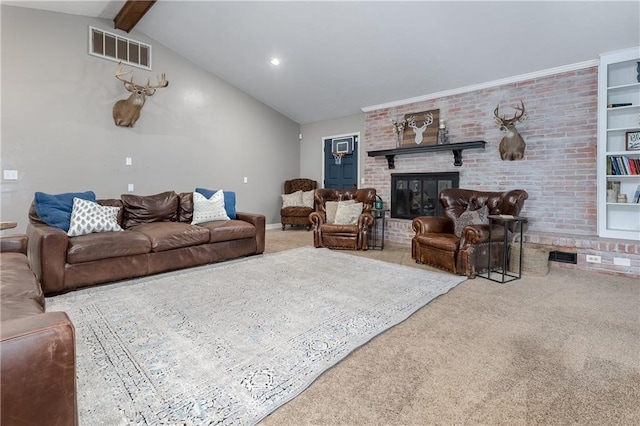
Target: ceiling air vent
119, 49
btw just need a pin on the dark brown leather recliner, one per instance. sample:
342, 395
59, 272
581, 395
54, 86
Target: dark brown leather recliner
331, 235
297, 215
436, 244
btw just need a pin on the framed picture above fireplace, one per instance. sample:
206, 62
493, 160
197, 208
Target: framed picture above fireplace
421, 128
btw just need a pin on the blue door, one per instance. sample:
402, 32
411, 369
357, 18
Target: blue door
345, 174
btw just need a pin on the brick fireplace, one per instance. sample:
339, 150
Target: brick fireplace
558, 171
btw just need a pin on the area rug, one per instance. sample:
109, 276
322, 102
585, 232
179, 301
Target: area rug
229, 343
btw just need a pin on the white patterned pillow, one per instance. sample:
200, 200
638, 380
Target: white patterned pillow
307, 198
208, 209
471, 217
348, 213
331, 208
292, 200
88, 216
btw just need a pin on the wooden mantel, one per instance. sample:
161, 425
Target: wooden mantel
456, 148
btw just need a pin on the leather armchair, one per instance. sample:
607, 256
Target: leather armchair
436, 244
297, 215
331, 235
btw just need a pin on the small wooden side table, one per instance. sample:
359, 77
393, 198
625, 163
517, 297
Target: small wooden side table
503, 270
7, 225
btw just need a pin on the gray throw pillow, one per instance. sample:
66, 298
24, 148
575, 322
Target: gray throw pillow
471, 217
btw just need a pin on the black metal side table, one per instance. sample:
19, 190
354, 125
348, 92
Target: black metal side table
376, 235
503, 270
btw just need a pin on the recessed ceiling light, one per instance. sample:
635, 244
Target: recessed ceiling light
275, 61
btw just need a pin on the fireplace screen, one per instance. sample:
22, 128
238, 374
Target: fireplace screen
416, 194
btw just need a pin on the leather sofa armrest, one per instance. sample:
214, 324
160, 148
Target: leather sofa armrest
14, 243
478, 234
432, 224
47, 252
317, 219
259, 221
38, 370
365, 220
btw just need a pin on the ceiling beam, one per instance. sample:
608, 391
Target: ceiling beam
131, 13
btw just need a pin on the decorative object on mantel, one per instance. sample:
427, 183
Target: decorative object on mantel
421, 135
443, 132
638, 70
337, 157
398, 127
512, 145
456, 148
127, 111
419, 131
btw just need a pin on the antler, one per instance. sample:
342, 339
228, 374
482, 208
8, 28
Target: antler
428, 119
516, 117
162, 82
120, 72
162, 79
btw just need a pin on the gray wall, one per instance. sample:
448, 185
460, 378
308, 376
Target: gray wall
57, 129
311, 144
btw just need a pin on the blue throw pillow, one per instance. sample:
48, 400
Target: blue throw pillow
229, 200
55, 210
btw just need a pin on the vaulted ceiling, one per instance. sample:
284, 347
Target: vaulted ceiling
338, 57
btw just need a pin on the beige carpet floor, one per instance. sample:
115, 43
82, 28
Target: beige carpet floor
563, 349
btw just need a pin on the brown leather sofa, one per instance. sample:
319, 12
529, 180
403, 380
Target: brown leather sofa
338, 236
436, 244
37, 348
157, 237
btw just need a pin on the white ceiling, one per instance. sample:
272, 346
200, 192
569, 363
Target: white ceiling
338, 57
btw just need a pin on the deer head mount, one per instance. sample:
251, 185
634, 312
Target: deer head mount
411, 122
127, 111
512, 145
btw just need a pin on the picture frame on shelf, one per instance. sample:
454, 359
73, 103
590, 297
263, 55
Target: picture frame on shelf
632, 140
418, 132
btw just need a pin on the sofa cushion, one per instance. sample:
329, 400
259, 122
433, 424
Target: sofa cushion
208, 209
90, 247
88, 217
185, 212
172, 235
296, 211
229, 200
17, 281
19, 308
332, 228
55, 210
228, 230
139, 209
445, 242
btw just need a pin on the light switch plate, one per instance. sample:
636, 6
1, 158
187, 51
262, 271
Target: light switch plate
130, 187
10, 175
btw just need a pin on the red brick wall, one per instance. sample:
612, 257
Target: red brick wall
558, 170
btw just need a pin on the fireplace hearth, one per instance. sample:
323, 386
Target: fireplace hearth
416, 194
